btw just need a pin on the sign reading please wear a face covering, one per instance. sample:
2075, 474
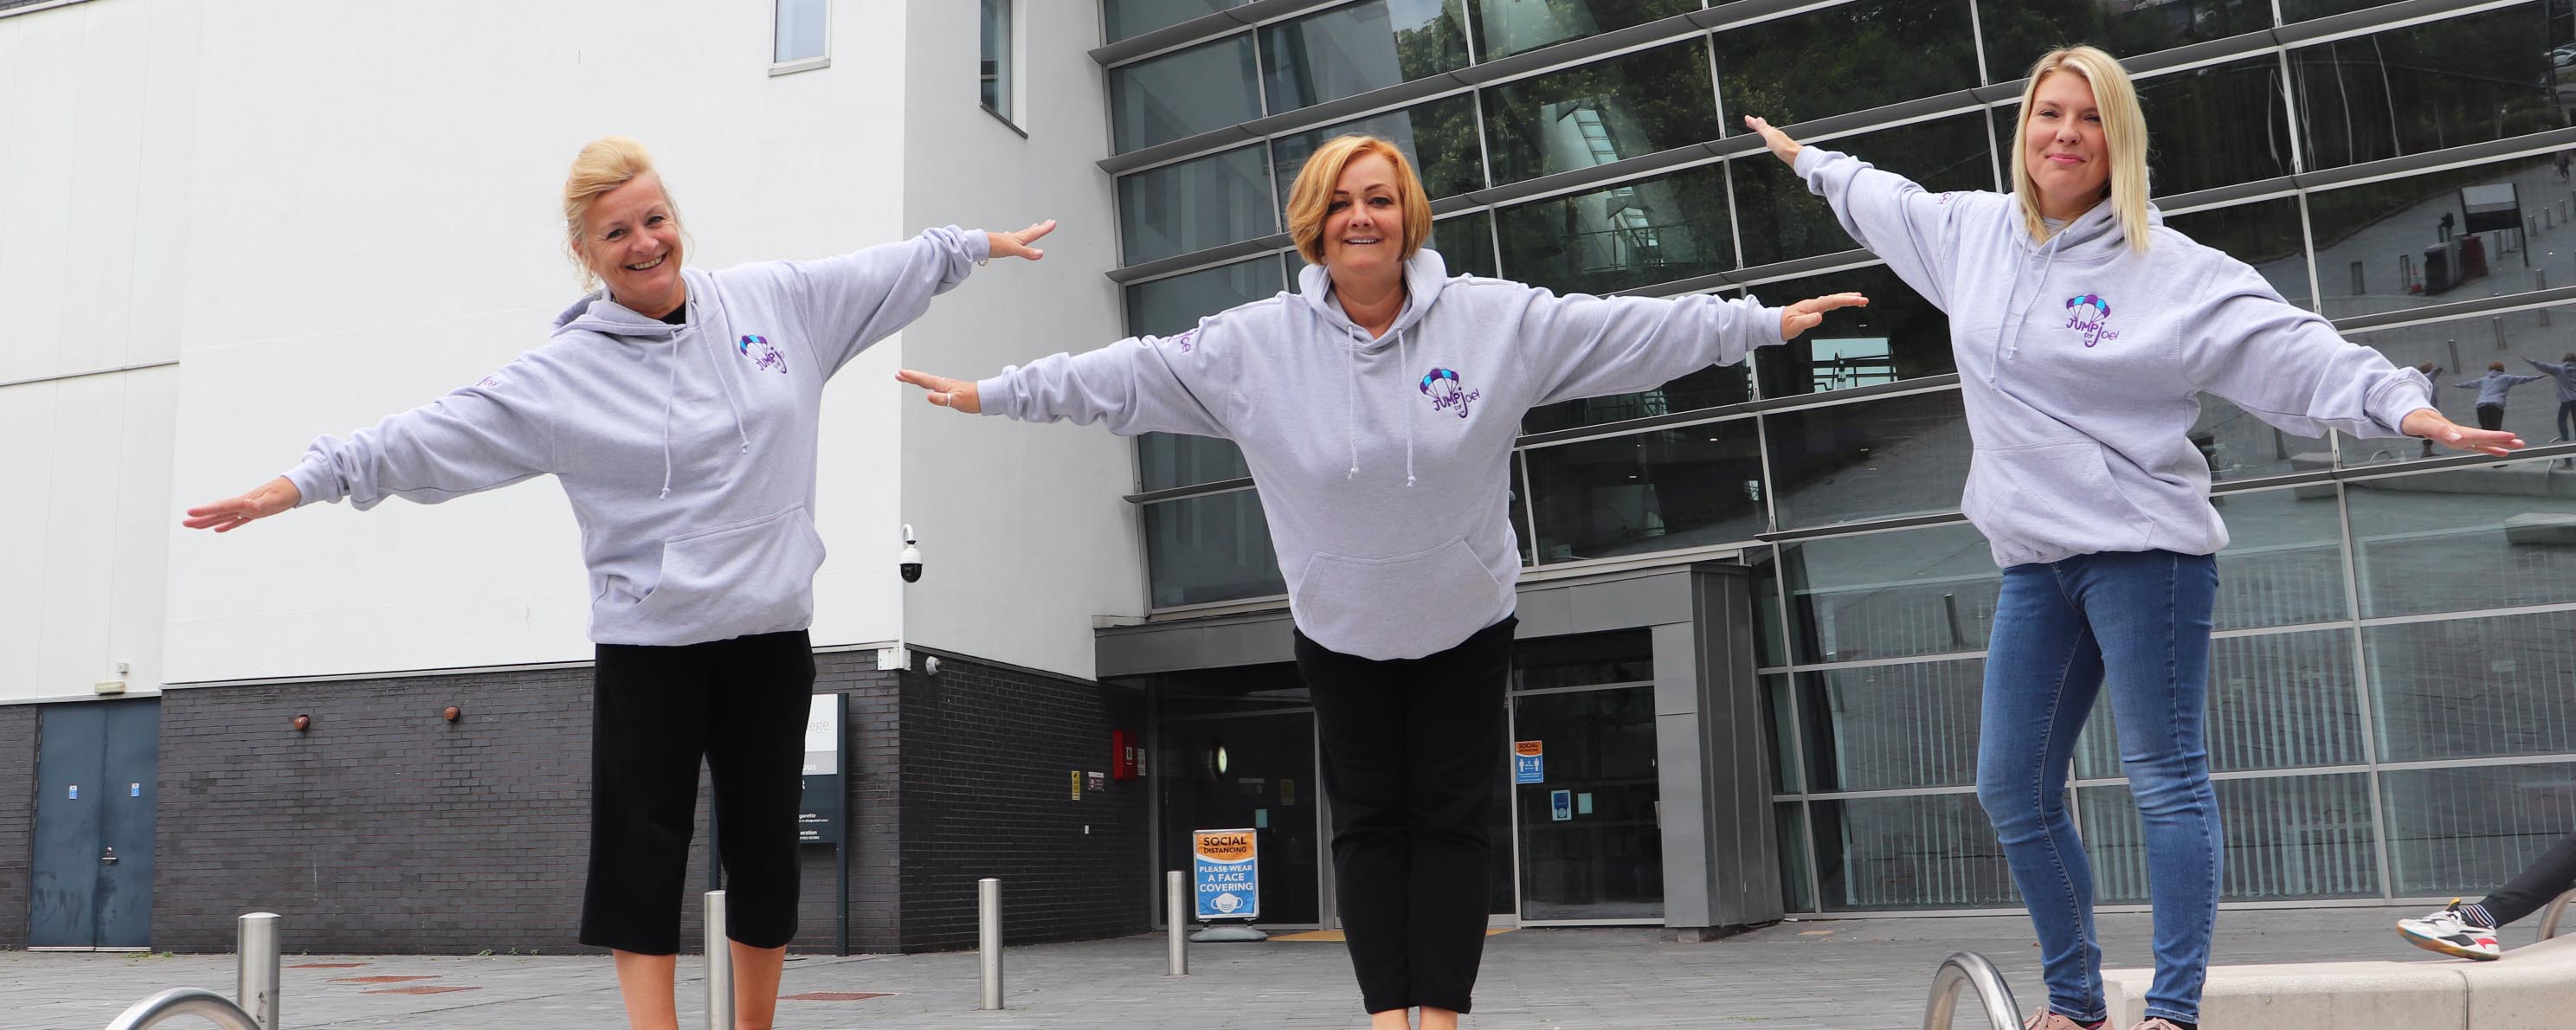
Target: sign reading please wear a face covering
1228, 877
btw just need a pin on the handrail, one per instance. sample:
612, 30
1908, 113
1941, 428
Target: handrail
1970, 970
2549, 916
184, 1001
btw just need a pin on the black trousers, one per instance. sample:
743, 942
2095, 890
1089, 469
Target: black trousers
2490, 416
739, 704
2548, 878
1413, 758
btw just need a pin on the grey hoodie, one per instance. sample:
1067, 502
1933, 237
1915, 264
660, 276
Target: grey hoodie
688, 451
1384, 464
2491, 387
2566, 376
2081, 362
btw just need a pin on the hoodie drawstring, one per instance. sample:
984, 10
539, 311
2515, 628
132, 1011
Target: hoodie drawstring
1351, 408
2016, 313
1405, 364
670, 391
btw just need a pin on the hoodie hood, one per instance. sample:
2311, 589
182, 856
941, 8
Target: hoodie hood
2094, 236
1425, 274
596, 313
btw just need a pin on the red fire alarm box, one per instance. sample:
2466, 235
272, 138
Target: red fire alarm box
1126, 757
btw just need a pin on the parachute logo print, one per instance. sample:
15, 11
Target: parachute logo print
2089, 316
1442, 386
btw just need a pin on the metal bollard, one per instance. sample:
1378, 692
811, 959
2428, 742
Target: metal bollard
1176, 914
719, 965
1968, 970
256, 981
988, 938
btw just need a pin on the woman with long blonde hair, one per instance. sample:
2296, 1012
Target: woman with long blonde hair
2085, 331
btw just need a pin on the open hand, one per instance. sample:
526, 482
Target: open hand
945, 392
2429, 424
1810, 313
233, 513
1778, 141
1016, 244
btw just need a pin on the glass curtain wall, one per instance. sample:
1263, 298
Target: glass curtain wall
2394, 690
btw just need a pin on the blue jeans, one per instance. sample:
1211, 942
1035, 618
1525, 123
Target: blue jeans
2137, 623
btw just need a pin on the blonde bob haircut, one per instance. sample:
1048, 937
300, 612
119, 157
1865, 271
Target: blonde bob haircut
1311, 197
2124, 132
604, 164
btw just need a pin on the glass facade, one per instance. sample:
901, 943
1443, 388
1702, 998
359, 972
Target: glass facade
2393, 690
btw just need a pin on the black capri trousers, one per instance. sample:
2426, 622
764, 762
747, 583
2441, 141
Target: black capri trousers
739, 704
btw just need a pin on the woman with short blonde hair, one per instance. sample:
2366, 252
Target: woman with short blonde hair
2085, 331
677, 407
1377, 407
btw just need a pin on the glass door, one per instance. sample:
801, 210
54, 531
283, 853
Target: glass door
1591, 839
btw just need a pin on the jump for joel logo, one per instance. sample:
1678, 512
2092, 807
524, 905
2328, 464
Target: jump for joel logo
762, 355
1442, 386
2088, 315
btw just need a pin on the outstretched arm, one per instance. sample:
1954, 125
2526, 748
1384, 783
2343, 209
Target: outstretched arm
853, 300
1586, 346
1139, 385
1915, 232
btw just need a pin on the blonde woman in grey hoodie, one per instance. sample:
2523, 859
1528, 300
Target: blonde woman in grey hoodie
2085, 332
1377, 407
677, 408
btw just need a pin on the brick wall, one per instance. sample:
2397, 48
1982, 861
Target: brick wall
988, 754
17, 818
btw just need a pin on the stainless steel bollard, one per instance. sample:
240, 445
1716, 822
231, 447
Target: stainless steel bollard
988, 938
1968, 970
1176, 915
256, 983
719, 965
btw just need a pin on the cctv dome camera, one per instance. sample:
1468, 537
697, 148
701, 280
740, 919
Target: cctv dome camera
909, 562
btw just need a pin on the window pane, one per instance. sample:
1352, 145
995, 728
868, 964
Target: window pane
2406, 243
1770, 632
1890, 595
2275, 702
1167, 460
1874, 459
1783, 220
1898, 336
997, 57
1438, 137
1602, 855
2474, 688
1123, 18
1162, 307
1656, 491
2449, 83
1933, 851
1466, 244
800, 30
2018, 31
2287, 837
1635, 234
1625, 107
1893, 727
2457, 354
2283, 565
2490, 536
1196, 204
2469, 831
1520, 516
1847, 58
1351, 50
1797, 893
1210, 548
1507, 27
1583, 660
1183, 94
1778, 711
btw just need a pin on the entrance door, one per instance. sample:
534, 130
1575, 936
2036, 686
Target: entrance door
1592, 844
97, 772
1258, 771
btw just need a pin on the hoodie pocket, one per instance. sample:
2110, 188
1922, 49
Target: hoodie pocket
2056, 496
748, 577
1406, 606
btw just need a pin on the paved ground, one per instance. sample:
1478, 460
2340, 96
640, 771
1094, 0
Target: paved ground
1838, 974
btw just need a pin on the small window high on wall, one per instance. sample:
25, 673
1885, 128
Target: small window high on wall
997, 74
803, 36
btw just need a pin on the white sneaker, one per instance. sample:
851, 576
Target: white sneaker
2446, 932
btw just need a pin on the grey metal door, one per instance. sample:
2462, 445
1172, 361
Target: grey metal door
96, 770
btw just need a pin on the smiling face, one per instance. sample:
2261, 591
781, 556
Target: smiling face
1364, 222
2063, 145
631, 240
